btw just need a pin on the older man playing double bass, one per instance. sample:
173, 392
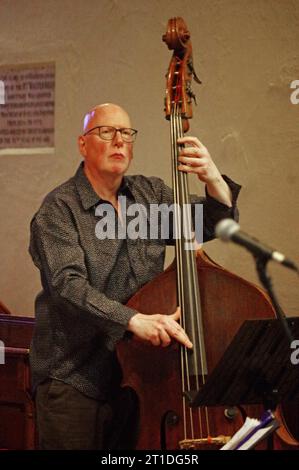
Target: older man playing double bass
86, 282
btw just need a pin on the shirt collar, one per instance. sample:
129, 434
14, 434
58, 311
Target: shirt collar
86, 192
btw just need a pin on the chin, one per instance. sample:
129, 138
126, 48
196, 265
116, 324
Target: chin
119, 169
121, 165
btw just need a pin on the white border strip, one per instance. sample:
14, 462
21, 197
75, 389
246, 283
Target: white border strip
32, 151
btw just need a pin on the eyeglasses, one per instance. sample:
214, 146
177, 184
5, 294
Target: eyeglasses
109, 132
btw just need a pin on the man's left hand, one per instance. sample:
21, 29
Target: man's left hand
195, 158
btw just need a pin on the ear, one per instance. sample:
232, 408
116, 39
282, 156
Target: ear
131, 153
81, 145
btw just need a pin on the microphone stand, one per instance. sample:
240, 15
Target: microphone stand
261, 267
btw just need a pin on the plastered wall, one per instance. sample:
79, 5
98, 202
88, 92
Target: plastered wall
246, 54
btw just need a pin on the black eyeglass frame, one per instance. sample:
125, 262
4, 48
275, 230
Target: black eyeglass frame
134, 135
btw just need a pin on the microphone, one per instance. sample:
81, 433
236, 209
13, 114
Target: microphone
228, 229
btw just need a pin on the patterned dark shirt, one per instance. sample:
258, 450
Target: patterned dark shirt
80, 312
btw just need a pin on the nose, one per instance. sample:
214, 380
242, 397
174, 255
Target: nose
118, 140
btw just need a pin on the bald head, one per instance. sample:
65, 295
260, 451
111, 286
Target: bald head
102, 113
105, 158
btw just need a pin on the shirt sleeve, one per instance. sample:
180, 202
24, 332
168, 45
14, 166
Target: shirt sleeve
212, 210
56, 251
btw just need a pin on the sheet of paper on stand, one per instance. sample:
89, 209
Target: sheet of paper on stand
252, 432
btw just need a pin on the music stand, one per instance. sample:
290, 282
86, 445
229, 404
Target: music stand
256, 368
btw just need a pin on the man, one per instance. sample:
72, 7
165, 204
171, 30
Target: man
81, 312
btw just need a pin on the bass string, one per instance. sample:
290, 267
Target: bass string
187, 282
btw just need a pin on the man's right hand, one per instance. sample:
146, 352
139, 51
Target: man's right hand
159, 329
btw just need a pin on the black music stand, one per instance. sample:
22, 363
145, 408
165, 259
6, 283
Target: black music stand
256, 368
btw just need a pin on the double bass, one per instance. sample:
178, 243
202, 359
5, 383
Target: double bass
214, 303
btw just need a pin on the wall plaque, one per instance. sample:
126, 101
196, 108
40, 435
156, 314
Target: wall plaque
27, 108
